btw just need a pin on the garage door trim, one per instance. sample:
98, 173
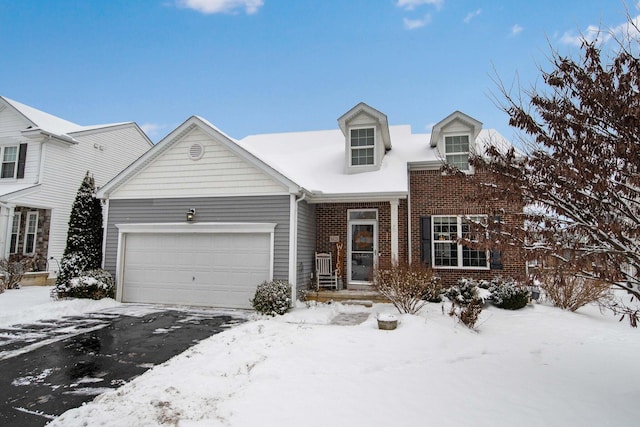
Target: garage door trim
181, 227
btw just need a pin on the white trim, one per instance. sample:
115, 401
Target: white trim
12, 218
198, 227
350, 223
293, 243
105, 223
3, 150
182, 227
26, 233
394, 230
152, 196
470, 143
458, 245
363, 147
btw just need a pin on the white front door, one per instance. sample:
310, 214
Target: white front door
363, 246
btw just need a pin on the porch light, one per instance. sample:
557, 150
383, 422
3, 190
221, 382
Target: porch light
191, 215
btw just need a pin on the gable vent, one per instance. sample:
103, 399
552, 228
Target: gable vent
196, 151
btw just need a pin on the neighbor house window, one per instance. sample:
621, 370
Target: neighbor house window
362, 147
30, 233
9, 162
15, 232
447, 252
456, 149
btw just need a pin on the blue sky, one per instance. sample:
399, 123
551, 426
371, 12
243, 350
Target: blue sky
261, 66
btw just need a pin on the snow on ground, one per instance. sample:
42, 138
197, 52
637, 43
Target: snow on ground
539, 366
32, 303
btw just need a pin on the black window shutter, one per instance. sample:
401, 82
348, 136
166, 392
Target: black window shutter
495, 255
425, 240
22, 158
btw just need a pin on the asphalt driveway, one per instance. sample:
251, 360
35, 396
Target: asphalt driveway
52, 366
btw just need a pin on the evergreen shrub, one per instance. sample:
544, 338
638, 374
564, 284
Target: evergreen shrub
95, 284
508, 294
272, 298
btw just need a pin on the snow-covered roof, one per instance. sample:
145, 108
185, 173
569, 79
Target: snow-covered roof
315, 160
50, 123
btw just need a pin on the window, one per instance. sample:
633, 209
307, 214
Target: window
30, 233
362, 147
9, 162
447, 252
15, 232
456, 149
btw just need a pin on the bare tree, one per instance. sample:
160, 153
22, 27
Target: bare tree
579, 172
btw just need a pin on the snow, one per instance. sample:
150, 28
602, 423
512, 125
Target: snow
315, 160
539, 366
34, 303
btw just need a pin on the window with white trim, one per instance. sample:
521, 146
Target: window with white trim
362, 145
31, 230
9, 161
15, 233
456, 150
447, 252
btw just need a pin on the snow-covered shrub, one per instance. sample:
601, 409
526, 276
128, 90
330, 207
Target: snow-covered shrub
569, 290
407, 287
94, 284
272, 298
508, 294
464, 292
71, 265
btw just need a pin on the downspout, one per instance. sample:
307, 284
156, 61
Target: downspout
10, 213
409, 243
293, 246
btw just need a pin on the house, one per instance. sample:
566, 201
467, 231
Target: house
44, 159
202, 218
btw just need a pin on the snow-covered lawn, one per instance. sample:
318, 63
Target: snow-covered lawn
539, 366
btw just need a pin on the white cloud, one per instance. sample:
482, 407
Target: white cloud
412, 24
597, 33
412, 4
516, 29
472, 15
151, 129
221, 6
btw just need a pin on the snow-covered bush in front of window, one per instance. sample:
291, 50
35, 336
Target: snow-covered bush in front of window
464, 292
272, 298
408, 287
94, 284
508, 294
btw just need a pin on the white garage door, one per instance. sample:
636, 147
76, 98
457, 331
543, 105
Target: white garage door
204, 269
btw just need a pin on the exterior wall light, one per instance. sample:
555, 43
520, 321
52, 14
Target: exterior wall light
191, 215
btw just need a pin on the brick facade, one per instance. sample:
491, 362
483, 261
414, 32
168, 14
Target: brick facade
432, 193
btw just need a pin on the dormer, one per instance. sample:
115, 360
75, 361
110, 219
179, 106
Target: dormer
455, 138
367, 139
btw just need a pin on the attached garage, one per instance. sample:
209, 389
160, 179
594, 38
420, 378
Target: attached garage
204, 264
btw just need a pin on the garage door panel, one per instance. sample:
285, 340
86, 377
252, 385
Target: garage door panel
207, 269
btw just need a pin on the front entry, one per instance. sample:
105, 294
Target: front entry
363, 245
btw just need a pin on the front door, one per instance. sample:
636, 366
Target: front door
363, 246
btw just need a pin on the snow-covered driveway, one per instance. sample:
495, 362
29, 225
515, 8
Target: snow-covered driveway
50, 366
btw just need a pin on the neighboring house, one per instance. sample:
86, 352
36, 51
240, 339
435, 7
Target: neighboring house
44, 159
202, 218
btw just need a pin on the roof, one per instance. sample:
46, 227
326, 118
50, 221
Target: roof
315, 160
51, 124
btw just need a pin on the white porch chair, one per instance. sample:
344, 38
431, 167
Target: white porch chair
326, 276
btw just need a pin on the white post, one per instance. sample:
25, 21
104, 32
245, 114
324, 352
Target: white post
394, 230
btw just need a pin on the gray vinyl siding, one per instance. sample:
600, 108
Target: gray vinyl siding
306, 244
214, 209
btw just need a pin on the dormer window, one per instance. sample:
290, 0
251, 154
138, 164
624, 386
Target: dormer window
362, 147
457, 151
